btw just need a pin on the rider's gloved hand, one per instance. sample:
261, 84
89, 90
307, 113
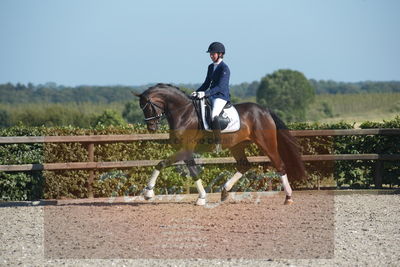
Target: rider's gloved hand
200, 95
194, 94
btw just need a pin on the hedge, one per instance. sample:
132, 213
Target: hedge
72, 184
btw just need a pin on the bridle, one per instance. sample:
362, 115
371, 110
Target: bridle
158, 116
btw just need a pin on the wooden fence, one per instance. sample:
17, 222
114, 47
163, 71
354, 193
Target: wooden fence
91, 140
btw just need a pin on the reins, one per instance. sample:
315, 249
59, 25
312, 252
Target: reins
162, 115
197, 108
158, 117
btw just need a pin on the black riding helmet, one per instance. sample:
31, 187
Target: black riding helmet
216, 47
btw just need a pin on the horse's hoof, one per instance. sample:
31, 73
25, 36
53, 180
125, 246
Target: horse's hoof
288, 201
200, 202
224, 194
148, 194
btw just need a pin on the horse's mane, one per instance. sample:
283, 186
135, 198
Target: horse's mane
167, 87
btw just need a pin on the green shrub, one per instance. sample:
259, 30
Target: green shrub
383, 144
20, 186
175, 179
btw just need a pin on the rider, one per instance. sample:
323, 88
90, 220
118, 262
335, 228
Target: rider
216, 87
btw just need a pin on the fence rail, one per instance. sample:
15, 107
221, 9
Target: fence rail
151, 137
149, 163
91, 140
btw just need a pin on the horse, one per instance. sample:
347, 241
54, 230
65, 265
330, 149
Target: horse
257, 125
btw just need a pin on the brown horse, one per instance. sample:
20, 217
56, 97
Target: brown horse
258, 125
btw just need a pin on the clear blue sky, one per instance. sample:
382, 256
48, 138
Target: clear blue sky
127, 42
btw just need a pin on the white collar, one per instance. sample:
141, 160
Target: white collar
218, 61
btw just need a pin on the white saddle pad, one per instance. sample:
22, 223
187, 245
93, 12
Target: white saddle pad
231, 113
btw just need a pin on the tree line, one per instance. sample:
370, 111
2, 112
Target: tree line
287, 92
53, 93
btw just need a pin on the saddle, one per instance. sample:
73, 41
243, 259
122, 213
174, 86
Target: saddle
228, 118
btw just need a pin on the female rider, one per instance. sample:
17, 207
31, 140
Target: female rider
216, 87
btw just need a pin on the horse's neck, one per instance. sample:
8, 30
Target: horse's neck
176, 102
178, 108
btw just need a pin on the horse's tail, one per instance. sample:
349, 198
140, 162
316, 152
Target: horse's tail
289, 150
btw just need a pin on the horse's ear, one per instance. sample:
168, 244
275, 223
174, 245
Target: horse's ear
136, 94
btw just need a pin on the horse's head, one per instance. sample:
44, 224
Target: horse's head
161, 100
153, 110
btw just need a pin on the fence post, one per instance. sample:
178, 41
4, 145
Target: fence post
378, 173
91, 172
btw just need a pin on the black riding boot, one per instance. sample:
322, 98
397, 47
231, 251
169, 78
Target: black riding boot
217, 134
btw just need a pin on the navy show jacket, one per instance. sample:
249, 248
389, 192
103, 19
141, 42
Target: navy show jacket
216, 84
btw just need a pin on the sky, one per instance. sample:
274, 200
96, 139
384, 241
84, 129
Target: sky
127, 42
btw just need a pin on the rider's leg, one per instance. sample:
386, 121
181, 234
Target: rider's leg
217, 133
218, 106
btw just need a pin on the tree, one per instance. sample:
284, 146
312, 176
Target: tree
286, 92
4, 118
110, 117
132, 112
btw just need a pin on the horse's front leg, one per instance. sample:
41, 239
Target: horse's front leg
194, 172
183, 154
201, 200
149, 189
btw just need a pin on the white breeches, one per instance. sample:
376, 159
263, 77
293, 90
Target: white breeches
218, 105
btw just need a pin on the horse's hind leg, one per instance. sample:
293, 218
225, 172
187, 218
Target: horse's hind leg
267, 142
243, 165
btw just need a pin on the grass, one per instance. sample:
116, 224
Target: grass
327, 108
57, 114
83, 107
354, 107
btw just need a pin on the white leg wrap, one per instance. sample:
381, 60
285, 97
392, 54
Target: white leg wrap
153, 179
148, 194
231, 182
201, 202
286, 185
200, 189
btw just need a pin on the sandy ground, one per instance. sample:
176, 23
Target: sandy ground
250, 230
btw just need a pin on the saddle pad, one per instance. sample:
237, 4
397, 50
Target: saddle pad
231, 113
